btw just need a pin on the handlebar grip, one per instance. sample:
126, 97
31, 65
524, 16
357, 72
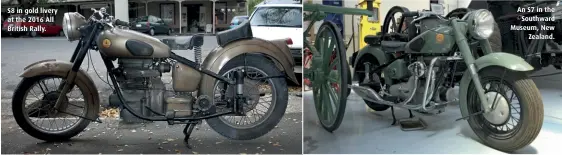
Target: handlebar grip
122, 23
410, 14
369, 5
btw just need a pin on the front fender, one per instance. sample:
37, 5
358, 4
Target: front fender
500, 59
61, 68
214, 62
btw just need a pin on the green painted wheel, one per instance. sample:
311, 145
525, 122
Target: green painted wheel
329, 80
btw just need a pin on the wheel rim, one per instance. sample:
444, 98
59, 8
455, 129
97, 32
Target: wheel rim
152, 32
392, 21
508, 102
44, 94
61, 33
261, 92
33, 33
327, 81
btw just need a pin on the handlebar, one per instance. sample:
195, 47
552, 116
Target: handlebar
121, 23
411, 14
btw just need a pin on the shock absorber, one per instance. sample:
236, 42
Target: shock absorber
197, 52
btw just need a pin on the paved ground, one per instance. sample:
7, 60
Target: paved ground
115, 137
366, 132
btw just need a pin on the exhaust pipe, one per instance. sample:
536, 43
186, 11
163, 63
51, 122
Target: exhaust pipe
371, 95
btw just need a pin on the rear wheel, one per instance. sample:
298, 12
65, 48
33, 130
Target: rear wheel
34, 111
268, 99
519, 113
360, 72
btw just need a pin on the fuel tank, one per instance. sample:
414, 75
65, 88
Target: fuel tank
122, 43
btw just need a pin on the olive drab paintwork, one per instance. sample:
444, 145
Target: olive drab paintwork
186, 79
437, 40
500, 59
279, 54
116, 38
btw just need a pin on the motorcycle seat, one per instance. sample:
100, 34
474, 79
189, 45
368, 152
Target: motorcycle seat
184, 42
242, 31
393, 46
372, 39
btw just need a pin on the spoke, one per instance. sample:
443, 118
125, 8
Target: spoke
329, 107
335, 62
333, 77
334, 95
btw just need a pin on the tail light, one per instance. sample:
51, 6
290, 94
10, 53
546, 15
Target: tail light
289, 41
147, 24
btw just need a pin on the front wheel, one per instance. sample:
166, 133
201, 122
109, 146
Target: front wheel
518, 117
33, 107
267, 99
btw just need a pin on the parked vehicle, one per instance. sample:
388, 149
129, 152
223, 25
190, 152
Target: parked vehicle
51, 29
417, 67
151, 25
231, 82
19, 23
280, 21
237, 20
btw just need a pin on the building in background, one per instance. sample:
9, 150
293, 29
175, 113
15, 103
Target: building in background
194, 13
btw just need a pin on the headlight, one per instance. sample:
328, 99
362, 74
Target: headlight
482, 24
70, 24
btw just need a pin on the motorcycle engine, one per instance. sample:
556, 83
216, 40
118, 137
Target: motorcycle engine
142, 87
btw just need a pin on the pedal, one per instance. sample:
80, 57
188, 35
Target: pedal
411, 124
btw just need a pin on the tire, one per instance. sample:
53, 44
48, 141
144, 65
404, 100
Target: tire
531, 108
329, 28
151, 32
372, 105
279, 107
169, 32
32, 34
21, 120
61, 33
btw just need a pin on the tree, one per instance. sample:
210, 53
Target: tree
252, 5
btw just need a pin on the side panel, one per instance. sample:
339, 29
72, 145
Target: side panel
434, 41
186, 79
500, 59
61, 68
220, 56
113, 44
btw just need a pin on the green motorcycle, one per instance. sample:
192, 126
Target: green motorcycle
417, 67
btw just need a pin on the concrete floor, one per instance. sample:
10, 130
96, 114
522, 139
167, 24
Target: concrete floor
366, 132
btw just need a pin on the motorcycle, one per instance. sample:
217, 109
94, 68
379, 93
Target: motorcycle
419, 59
239, 89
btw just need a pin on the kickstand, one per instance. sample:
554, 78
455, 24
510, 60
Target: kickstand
393, 116
187, 132
411, 115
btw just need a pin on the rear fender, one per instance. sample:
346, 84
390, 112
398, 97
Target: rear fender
366, 53
61, 68
499, 59
276, 51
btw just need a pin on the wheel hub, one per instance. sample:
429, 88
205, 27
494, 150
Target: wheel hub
501, 113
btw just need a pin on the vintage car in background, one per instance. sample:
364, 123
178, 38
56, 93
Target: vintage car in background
151, 25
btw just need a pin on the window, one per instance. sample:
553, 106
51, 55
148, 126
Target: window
167, 12
375, 17
277, 16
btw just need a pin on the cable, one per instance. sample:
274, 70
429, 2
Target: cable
93, 66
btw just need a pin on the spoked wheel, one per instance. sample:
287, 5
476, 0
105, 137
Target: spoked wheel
34, 109
329, 79
518, 117
266, 103
393, 22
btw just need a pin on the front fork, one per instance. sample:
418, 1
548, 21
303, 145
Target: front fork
466, 52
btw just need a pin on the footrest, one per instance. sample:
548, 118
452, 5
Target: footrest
411, 124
